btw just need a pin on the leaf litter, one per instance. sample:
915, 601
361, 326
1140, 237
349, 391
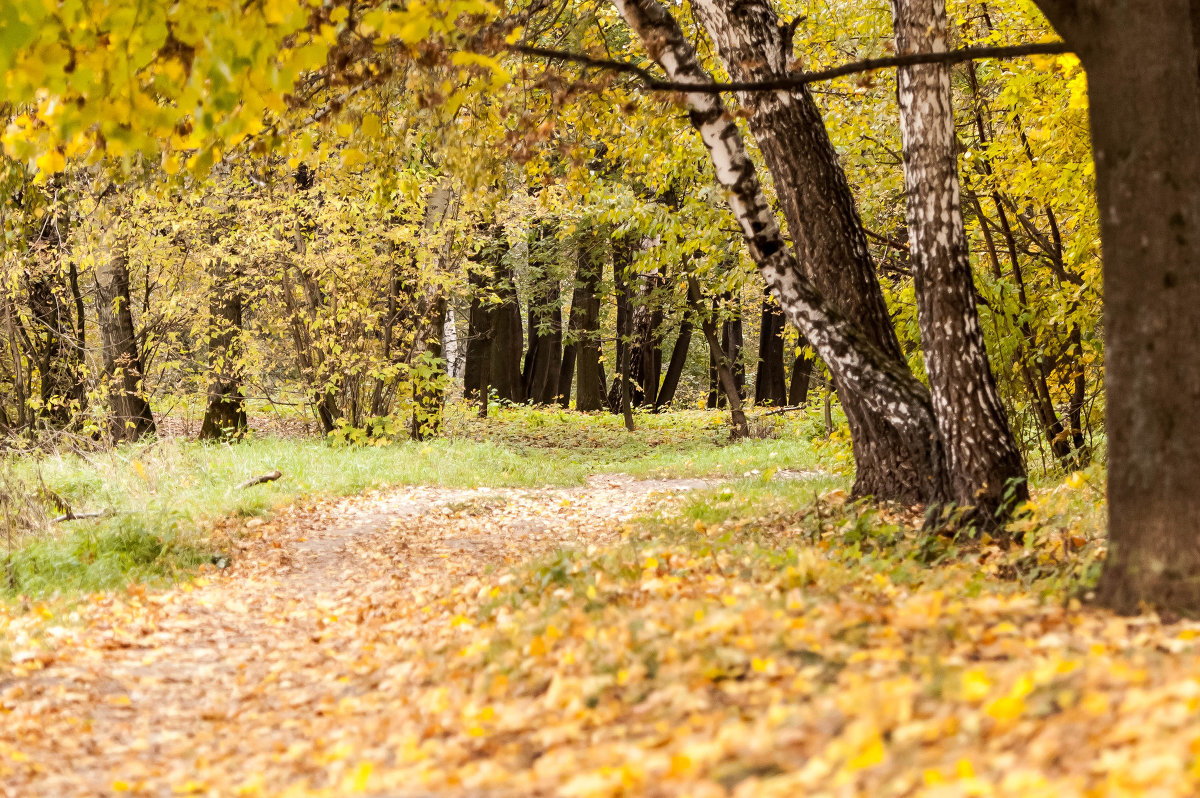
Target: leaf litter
429, 641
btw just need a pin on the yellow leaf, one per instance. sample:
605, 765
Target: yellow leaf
870, 756
370, 126
51, 162
975, 684
362, 775
1006, 709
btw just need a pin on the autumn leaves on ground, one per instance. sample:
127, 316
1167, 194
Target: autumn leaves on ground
722, 633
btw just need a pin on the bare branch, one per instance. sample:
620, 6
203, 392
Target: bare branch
652, 83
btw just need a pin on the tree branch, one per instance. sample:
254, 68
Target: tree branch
651, 82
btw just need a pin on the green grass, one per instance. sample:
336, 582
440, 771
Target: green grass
166, 496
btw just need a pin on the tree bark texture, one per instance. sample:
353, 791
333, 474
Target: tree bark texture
720, 363
679, 354
508, 340
646, 358
770, 379
1141, 60
801, 376
544, 358
827, 233
131, 416
985, 467
622, 257
896, 407
589, 393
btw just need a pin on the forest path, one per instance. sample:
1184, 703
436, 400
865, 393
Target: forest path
280, 672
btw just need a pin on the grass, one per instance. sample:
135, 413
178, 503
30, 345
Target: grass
165, 497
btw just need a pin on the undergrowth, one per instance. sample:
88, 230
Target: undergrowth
162, 499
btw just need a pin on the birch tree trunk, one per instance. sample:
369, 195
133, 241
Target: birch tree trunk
897, 408
985, 467
823, 220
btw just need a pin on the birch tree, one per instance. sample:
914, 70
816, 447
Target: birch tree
898, 404
827, 232
982, 459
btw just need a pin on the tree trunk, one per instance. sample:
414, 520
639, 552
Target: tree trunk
508, 340
801, 376
622, 252
720, 363
732, 343
646, 363
985, 467
827, 233
225, 414
896, 406
543, 361
131, 415
1141, 61
679, 354
770, 379
589, 395
479, 332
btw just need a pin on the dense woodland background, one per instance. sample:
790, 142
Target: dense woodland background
415, 238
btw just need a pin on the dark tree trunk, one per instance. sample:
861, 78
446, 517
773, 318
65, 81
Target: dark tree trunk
507, 337
622, 252
985, 467
719, 362
491, 299
627, 389
131, 415
543, 361
225, 414
589, 395
679, 354
1141, 61
566, 373
900, 454
479, 334
770, 378
732, 343
801, 376
646, 360
827, 232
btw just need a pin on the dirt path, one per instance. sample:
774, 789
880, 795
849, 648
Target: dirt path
271, 675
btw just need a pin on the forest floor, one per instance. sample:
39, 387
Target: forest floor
626, 637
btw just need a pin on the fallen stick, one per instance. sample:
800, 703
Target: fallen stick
270, 477
779, 410
69, 516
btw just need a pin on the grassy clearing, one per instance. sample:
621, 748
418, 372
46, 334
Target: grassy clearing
165, 496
